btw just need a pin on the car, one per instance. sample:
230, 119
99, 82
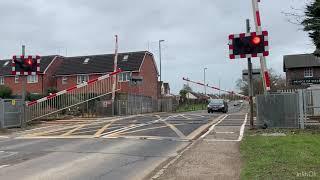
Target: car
217, 105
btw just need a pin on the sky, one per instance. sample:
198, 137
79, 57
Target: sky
195, 33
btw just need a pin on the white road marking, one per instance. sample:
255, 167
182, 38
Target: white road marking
4, 137
224, 132
242, 128
175, 129
212, 127
3, 166
221, 140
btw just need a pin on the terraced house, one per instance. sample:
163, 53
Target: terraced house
60, 73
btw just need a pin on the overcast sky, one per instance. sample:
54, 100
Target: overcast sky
195, 32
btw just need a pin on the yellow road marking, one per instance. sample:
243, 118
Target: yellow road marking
48, 132
73, 130
176, 130
142, 130
100, 131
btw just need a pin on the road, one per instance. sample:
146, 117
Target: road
107, 148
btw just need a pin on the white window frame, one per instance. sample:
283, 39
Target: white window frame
1, 80
82, 78
31, 79
16, 79
64, 80
124, 77
308, 72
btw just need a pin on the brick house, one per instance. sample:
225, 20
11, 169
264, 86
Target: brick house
37, 84
302, 70
75, 70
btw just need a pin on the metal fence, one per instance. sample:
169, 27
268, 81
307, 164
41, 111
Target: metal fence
10, 113
278, 110
71, 97
136, 104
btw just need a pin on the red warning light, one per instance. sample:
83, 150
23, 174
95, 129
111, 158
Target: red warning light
256, 40
29, 62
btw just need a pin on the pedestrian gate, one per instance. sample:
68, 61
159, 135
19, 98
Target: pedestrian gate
72, 96
10, 113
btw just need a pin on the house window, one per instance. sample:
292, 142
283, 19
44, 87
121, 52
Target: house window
82, 78
64, 80
16, 79
1, 80
32, 79
125, 76
308, 72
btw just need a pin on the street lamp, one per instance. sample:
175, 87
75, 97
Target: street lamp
204, 81
160, 56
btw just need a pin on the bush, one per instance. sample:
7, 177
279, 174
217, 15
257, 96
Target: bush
33, 97
5, 92
51, 90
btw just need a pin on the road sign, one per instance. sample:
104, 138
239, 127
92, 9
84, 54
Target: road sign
25, 65
247, 45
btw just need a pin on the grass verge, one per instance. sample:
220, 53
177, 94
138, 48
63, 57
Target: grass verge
294, 156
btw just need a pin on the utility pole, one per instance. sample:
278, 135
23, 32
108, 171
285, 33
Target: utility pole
204, 80
115, 64
160, 41
250, 85
23, 94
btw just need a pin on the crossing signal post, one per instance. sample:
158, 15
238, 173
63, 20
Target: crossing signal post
24, 66
248, 45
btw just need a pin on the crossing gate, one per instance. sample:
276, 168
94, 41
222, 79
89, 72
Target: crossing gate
72, 96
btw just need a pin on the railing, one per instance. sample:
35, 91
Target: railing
71, 97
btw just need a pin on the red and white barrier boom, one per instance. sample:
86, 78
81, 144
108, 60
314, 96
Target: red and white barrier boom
215, 88
264, 70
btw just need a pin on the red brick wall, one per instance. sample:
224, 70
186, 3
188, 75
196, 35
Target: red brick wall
17, 87
49, 79
150, 80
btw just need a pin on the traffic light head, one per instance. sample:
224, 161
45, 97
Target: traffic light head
25, 65
247, 45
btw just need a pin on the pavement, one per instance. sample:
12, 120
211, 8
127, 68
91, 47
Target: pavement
215, 155
132, 147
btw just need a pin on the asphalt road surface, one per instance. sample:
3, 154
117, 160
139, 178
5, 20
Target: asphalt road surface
107, 148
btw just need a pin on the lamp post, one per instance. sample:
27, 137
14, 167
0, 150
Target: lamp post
160, 56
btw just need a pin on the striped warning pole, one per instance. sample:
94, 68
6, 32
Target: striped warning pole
264, 69
215, 88
115, 64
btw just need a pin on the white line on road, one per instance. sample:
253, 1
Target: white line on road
212, 127
242, 128
224, 132
3, 166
